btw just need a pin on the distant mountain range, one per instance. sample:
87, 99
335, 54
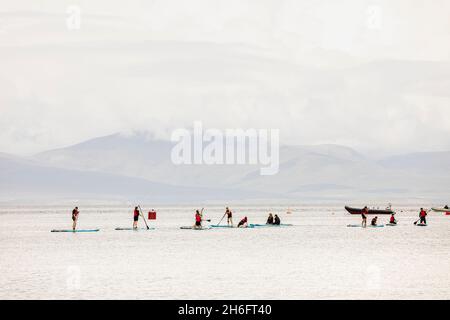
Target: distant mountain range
136, 166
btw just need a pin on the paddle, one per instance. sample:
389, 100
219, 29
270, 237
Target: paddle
140, 211
201, 214
415, 222
222, 218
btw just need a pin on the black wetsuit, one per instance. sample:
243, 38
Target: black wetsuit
277, 221
269, 220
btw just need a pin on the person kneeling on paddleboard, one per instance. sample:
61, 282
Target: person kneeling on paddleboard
364, 213
135, 217
392, 219
374, 221
243, 223
422, 215
270, 219
75, 213
277, 220
198, 219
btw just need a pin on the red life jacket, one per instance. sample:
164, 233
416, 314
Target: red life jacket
136, 213
392, 219
198, 218
423, 213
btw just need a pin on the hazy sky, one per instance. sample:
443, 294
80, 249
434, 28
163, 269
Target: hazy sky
374, 75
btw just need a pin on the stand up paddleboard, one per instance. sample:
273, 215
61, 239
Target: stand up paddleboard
369, 226
194, 228
255, 225
421, 225
221, 226
81, 230
391, 224
135, 229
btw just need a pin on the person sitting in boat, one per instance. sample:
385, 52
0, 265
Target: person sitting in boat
446, 207
135, 217
242, 223
392, 219
75, 213
422, 216
270, 219
277, 220
364, 213
374, 221
198, 219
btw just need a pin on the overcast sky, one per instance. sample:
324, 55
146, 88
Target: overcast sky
374, 75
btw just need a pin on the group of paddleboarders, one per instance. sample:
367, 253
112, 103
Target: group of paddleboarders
271, 220
392, 221
243, 223
76, 212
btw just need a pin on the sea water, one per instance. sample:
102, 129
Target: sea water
318, 258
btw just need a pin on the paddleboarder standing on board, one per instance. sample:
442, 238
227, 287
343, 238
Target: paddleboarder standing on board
135, 217
422, 215
198, 219
364, 213
75, 213
229, 216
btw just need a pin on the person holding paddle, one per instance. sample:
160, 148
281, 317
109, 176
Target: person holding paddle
135, 217
198, 220
229, 215
422, 216
75, 213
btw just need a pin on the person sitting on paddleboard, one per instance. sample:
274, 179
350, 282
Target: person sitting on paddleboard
364, 213
277, 220
422, 215
229, 216
198, 219
270, 219
135, 217
446, 207
243, 223
392, 219
374, 221
75, 213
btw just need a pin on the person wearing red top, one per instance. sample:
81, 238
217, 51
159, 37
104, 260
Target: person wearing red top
135, 217
75, 213
422, 216
392, 220
198, 219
